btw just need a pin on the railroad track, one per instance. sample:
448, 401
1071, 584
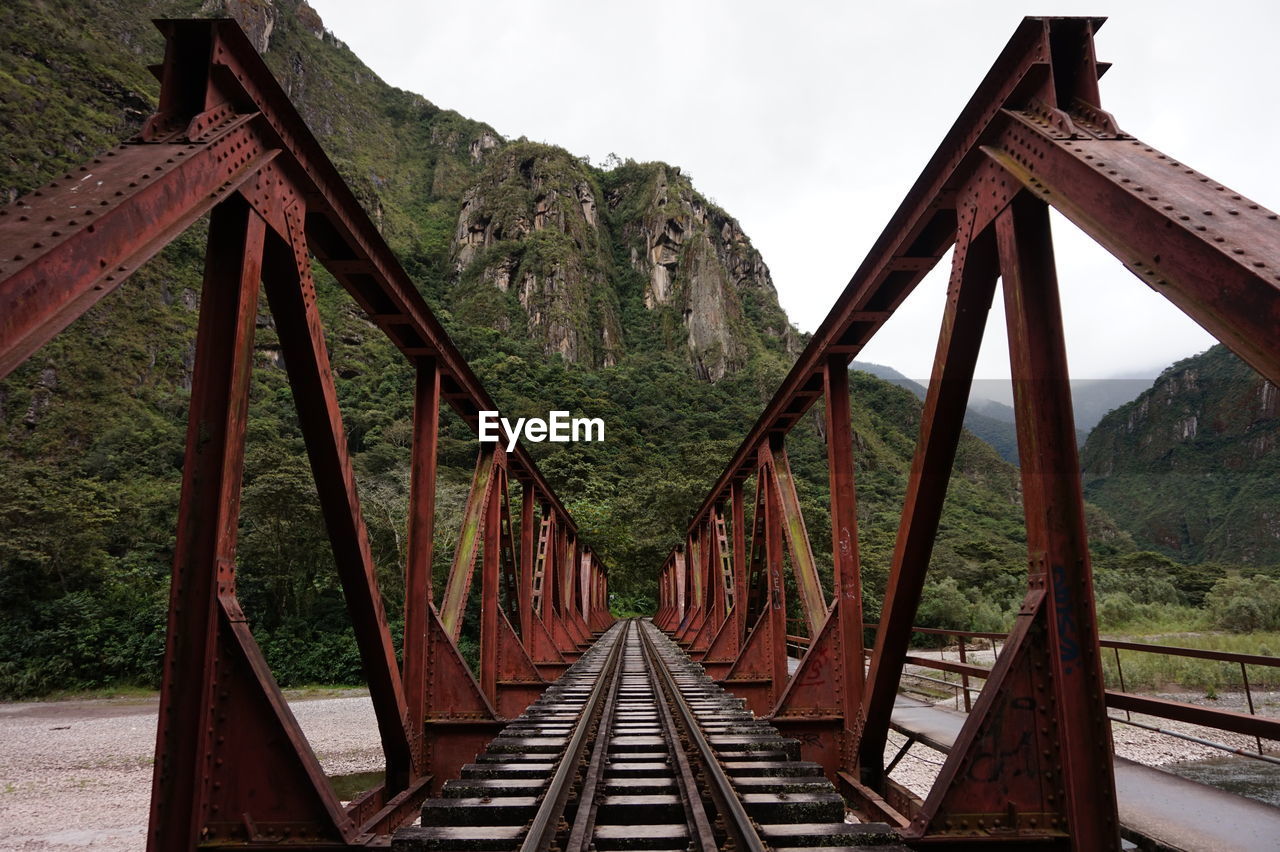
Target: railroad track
634, 747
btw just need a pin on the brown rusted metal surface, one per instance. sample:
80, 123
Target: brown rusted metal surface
1053, 504
846, 570
421, 526
1030, 764
74, 241
968, 300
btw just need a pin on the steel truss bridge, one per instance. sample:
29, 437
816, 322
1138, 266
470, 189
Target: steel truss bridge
1031, 764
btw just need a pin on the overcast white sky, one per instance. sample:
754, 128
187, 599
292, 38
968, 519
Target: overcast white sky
809, 121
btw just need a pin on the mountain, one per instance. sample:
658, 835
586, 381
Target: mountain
988, 420
521, 235
995, 428
1093, 399
992, 419
892, 376
1191, 467
571, 243
619, 293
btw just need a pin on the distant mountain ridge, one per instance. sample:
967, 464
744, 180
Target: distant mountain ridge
993, 420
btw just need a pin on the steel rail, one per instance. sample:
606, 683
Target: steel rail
580, 835
546, 822
735, 818
695, 810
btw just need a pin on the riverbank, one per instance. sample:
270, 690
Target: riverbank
76, 774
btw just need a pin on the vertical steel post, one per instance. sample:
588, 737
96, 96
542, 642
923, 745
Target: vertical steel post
777, 602
568, 570
422, 505
593, 594
715, 575
528, 556
693, 547
490, 566
1053, 501
680, 569
739, 561
584, 587
844, 535
208, 518
1248, 694
551, 570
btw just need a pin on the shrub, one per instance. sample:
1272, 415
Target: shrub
1242, 605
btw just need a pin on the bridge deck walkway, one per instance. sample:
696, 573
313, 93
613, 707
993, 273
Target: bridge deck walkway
1171, 810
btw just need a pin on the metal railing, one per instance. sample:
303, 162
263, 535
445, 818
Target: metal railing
1250, 724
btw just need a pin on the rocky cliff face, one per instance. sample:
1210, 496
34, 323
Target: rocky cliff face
541, 242
533, 225
1192, 467
530, 227
258, 17
695, 258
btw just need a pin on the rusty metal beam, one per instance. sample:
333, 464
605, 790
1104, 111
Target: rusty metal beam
208, 513
1205, 247
972, 287
1053, 502
1209, 717
776, 603
739, 560
291, 294
528, 557
77, 239
846, 569
419, 547
678, 574
490, 532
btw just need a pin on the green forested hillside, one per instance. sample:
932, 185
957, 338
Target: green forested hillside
619, 293
1191, 468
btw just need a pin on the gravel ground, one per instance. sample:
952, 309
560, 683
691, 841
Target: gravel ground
77, 774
